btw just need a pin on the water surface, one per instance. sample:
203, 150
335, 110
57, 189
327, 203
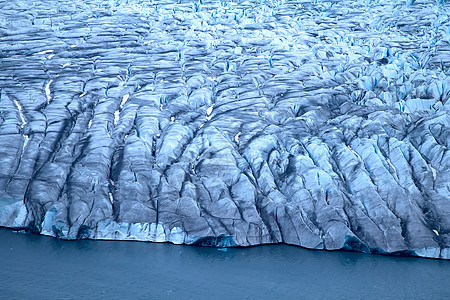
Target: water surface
38, 267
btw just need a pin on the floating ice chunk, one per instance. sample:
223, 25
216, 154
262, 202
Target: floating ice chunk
238, 50
436, 232
50, 56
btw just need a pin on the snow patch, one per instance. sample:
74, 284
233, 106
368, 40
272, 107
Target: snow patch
208, 112
124, 100
21, 115
44, 52
116, 117
48, 91
236, 137
433, 171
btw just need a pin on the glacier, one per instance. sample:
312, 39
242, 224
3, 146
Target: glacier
322, 124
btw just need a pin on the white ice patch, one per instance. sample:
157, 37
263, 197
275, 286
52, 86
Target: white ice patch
44, 52
353, 56
48, 92
436, 232
116, 117
433, 171
21, 115
65, 65
172, 119
354, 152
90, 123
50, 56
25, 143
24, 122
157, 232
208, 113
236, 137
176, 236
111, 198
124, 100
391, 165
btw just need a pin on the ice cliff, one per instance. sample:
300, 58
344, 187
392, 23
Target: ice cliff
323, 124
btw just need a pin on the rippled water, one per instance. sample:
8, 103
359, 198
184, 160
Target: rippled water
38, 267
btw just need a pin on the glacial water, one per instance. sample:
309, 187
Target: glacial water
37, 267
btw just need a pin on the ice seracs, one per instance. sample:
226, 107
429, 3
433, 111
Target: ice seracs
233, 123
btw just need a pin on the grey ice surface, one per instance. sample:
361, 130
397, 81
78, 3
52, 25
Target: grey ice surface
323, 124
